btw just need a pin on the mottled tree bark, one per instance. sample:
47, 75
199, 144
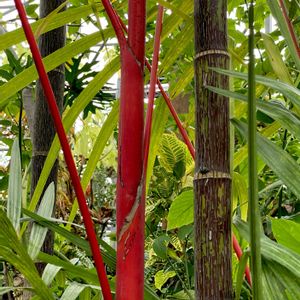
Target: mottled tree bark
44, 131
212, 182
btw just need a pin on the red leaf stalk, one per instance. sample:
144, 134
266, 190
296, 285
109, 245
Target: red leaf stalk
290, 26
67, 152
153, 81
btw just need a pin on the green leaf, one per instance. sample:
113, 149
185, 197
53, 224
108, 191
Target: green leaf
161, 277
182, 210
273, 109
172, 151
284, 28
72, 291
160, 246
287, 90
81, 101
51, 61
281, 274
182, 295
17, 36
277, 159
241, 274
49, 273
14, 202
240, 195
287, 233
100, 143
38, 232
276, 61
12, 251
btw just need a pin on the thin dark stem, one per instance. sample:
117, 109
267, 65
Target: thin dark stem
255, 230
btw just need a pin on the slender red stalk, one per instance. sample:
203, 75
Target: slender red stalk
191, 148
67, 152
153, 81
290, 26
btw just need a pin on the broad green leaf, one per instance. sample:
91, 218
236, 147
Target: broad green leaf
276, 61
161, 277
182, 210
277, 159
287, 233
38, 232
14, 201
284, 28
287, 90
12, 251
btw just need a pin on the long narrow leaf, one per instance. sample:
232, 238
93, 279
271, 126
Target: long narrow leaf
272, 108
14, 202
38, 232
277, 159
15, 253
287, 90
281, 22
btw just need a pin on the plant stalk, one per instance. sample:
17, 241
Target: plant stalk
255, 228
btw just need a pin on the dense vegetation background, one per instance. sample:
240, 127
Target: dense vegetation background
90, 115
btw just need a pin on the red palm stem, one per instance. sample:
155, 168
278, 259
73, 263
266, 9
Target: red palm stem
67, 152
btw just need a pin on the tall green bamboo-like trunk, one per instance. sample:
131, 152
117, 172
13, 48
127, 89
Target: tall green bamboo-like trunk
44, 131
212, 182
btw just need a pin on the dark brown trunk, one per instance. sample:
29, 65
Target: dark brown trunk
212, 179
44, 130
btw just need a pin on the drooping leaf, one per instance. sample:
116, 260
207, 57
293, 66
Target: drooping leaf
272, 108
287, 90
277, 159
281, 275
